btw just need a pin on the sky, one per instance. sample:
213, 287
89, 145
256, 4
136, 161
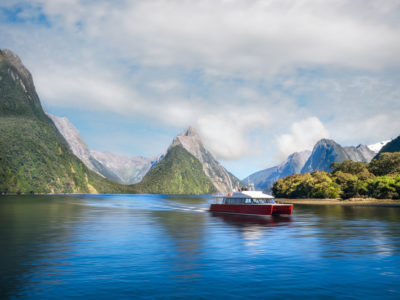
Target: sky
259, 80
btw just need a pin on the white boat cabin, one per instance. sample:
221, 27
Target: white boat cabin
247, 197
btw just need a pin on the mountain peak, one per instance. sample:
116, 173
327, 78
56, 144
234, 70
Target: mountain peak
190, 140
16, 62
325, 142
18, 94
190, 131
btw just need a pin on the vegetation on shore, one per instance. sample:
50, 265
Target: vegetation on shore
379, 179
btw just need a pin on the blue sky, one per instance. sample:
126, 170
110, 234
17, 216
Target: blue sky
257, 79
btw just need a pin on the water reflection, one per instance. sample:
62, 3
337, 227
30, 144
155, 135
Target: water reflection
170, 246
28, 225
248, 221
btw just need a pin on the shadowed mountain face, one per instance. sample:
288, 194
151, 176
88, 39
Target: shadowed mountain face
327, 151
263, 180
34, 156
222, 180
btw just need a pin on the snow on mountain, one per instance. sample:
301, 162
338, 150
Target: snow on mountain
378, 146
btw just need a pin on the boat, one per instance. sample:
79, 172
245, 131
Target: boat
250, 202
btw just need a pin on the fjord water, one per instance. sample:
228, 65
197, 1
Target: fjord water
164, 247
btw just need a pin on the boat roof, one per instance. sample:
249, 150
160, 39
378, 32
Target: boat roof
251, 194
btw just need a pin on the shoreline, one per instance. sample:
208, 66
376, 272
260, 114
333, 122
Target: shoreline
346, 202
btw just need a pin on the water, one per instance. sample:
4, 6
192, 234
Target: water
160, 247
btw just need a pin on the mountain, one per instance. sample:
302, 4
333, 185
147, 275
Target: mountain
179, 172
126, 170
392, 146
328, 151
359, 153
188, 167
34, 156
223, 180
324, 153
263, 180
79, 148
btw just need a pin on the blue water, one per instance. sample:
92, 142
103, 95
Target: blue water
160, 247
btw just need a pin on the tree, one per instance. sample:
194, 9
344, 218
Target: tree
348, 166
384, 187
387, 163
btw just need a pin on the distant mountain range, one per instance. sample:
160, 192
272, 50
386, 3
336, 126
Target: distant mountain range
327, 151
126, 170
41, 153
129, 170
320, 158
264, 179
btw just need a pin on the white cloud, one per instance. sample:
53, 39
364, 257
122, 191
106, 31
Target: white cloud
303, 135
226, 67
227, 133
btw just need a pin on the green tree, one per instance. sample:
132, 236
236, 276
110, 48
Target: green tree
348, 166
351, 185
387, 163
384, 187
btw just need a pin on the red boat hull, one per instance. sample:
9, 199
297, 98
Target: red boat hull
249, 209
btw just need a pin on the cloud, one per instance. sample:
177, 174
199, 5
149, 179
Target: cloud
303, 136
240, 71
227, 134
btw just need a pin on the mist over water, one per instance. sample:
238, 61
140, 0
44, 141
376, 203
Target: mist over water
156, 246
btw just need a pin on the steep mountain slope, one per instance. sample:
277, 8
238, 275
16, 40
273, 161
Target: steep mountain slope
34, 157
223, 180
126, 170
263, 180
359, 153
179, 172
327, 151
79, 148
392, 146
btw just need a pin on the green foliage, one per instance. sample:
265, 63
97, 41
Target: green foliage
347, 180
315, 185
387, 163
384, 187
34, 158
348, 166
17, 94
178, 173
